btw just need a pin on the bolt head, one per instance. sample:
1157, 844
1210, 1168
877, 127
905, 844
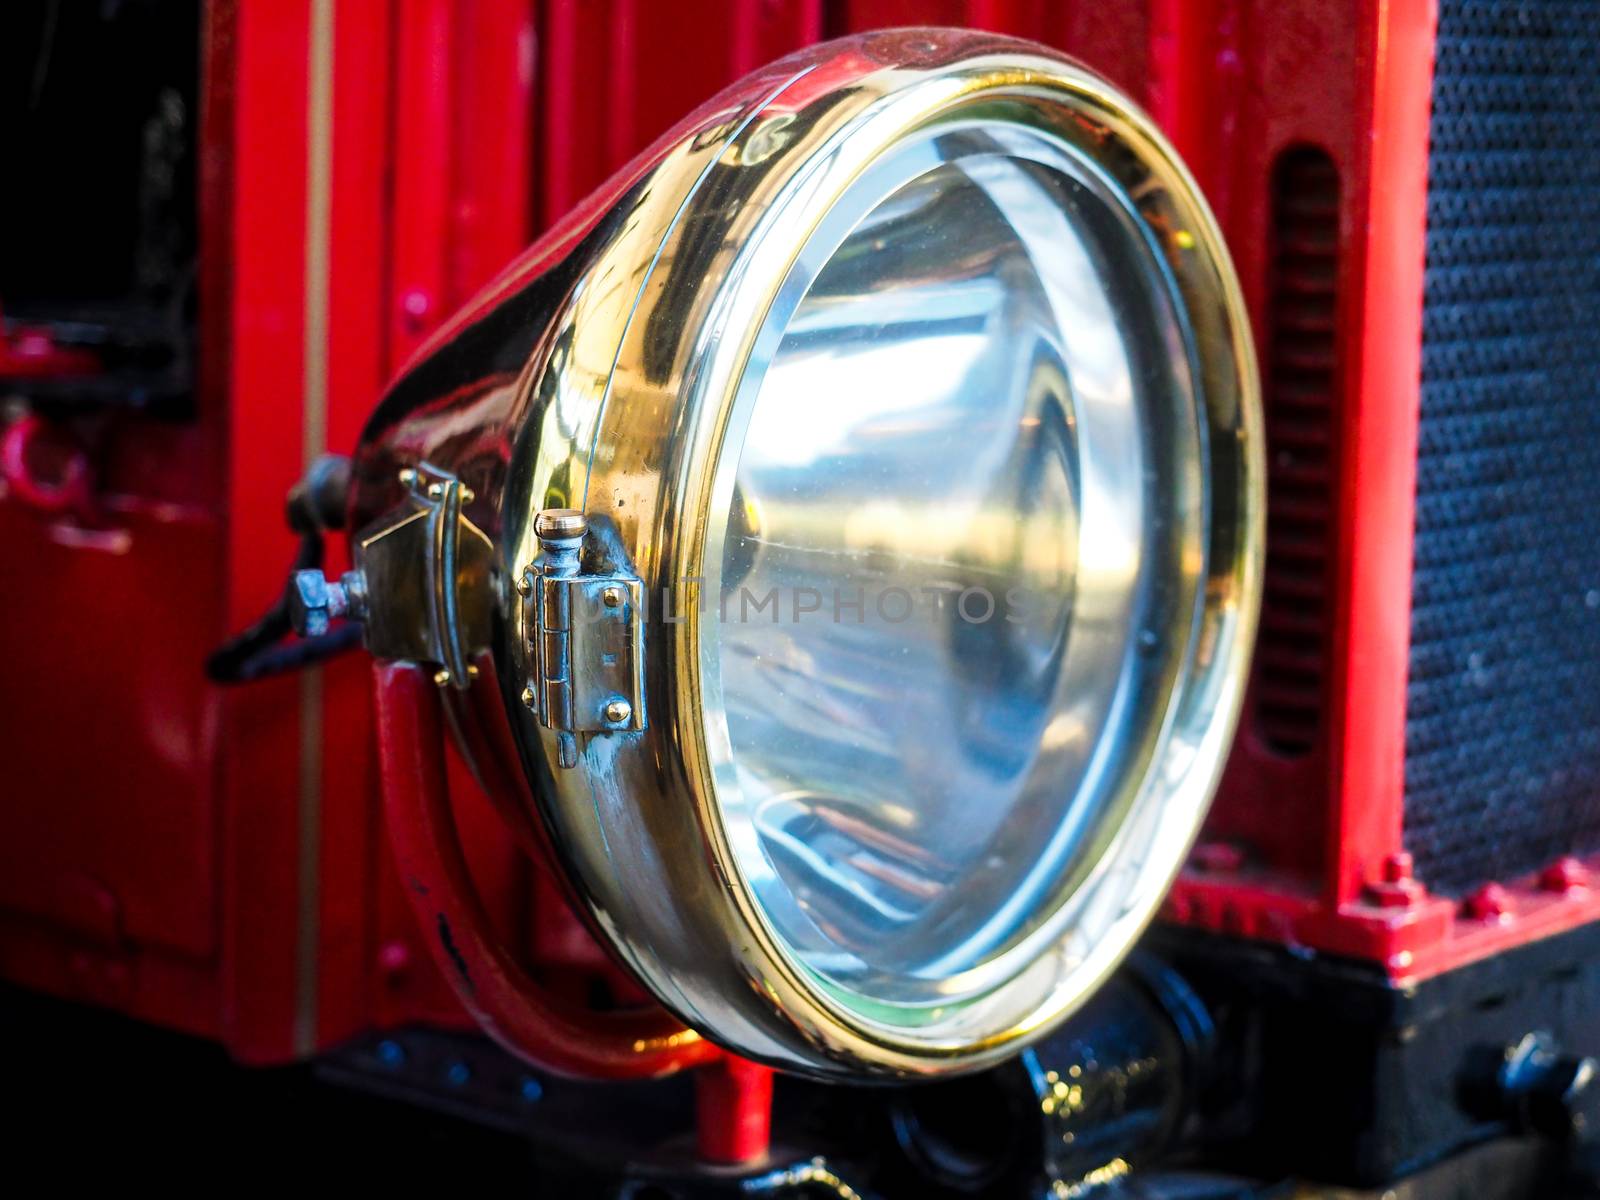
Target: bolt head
618, 710
309, 604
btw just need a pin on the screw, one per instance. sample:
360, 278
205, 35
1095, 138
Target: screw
528, 697
618, 710
612, 597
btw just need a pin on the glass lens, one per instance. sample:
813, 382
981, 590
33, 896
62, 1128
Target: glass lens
935, 593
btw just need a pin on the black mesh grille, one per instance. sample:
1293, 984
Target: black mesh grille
1503, 728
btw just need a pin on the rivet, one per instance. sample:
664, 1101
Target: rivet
408, 476
528, 697
1564, 875
1491, 902
524, 585
394, 958
612, 597
618, 710
435, 491
441, 677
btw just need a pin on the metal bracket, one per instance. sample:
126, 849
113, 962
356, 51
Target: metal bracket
427, 576
586, 639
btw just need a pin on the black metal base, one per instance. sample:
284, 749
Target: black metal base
1330, 1073
1293, 1068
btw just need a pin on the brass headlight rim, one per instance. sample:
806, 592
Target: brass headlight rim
809, 1000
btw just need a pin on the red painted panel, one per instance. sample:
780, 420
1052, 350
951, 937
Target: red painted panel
618, 74
113, 839
1113, 38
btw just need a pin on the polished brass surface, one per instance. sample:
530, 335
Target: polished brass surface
623, 371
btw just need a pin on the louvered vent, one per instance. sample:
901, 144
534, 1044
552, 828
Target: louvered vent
1300, 382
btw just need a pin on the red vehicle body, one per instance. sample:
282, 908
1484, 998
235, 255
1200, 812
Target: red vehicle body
215, 860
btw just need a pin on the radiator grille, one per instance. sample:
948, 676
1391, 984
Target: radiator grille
1291, 651
1503, 725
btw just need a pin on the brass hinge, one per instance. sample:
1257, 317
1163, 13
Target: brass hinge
586, 639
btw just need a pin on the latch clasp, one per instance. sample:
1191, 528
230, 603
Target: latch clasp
586, 638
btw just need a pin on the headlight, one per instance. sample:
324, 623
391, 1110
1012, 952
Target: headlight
907, 399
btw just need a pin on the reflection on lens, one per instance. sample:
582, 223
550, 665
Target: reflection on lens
941, 584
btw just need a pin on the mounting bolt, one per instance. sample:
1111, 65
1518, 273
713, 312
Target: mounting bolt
1397, 885
1399, 867
315, 600
1533, 1086
617, 710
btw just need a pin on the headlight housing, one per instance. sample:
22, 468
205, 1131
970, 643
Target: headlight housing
907, 396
